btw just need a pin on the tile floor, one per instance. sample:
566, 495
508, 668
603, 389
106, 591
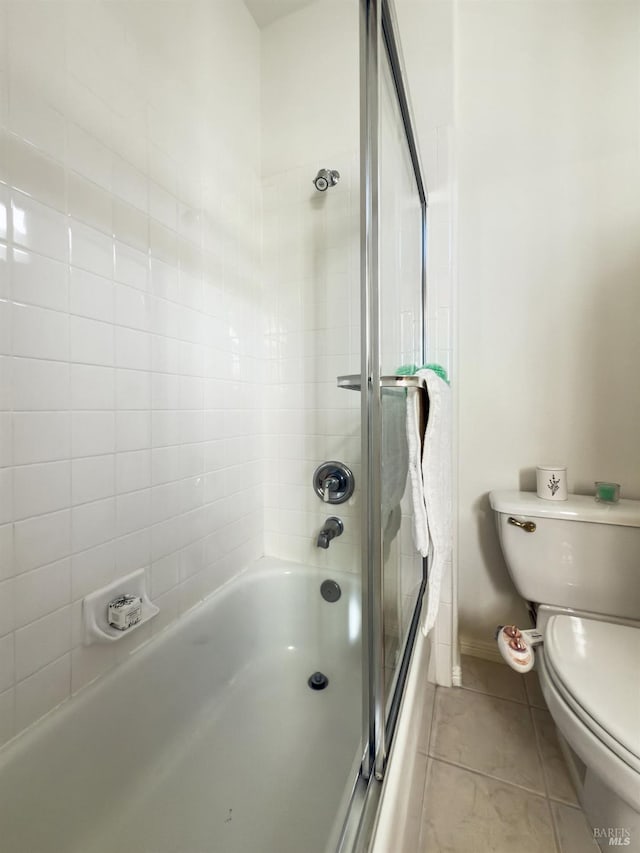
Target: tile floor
492, 778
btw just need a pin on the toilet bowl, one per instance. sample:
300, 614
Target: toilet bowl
577, 567
590, 677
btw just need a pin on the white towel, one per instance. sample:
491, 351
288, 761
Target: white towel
414, 441
437, 480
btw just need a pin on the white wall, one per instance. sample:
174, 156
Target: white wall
549, 264
312, 275
541, 160
426, 31
310, 93
130, 322
427, 41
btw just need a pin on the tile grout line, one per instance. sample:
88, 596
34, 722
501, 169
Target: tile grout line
513, 785
533, 706
494, 696
423, 804
488, 776
430, 754
565, 803
434, 719
529, 791
538, 740
537, 737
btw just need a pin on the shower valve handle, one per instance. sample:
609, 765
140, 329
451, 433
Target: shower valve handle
329, 485
333, 482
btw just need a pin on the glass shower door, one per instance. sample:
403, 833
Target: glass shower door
392, 335
392, 272
401, 349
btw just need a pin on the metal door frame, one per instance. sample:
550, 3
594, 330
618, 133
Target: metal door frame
379, 42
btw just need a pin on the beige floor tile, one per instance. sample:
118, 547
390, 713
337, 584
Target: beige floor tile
574, 833
534, 691
487, 734
559, 785
493, 678
468, 813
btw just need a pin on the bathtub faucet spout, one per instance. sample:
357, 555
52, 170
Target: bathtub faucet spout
330, 529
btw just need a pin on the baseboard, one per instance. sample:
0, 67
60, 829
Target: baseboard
481, 649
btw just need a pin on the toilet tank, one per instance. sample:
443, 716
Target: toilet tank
583, 554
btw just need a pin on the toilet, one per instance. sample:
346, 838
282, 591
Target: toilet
577, 565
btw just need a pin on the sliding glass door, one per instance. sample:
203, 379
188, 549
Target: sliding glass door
393, 281
400, 259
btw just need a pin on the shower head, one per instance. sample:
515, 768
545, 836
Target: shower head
326, 178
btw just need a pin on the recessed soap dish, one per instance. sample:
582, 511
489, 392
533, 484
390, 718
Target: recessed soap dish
95, 608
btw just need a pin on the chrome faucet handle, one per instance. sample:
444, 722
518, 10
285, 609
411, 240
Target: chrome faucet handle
329, 484
333, 482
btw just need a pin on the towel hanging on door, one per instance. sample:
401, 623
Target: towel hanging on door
417, 411
437, 483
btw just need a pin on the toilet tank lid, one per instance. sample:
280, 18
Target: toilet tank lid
576, 508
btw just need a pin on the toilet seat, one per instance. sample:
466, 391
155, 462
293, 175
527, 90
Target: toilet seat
594, 727
589, 672
596, 666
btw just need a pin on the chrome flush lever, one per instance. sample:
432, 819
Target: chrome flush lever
527, 526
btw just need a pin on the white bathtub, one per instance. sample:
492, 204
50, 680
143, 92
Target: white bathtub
209, 738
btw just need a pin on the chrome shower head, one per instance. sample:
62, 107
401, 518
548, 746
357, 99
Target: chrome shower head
326, 178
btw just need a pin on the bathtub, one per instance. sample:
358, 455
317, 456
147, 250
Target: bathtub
208, 739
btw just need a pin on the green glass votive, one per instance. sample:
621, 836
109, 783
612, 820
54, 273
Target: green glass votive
607, 493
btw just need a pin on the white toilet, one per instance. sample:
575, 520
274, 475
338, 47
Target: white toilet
577, 564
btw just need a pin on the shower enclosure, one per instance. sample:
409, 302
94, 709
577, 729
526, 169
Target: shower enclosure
393, 232
212, 285
361, 309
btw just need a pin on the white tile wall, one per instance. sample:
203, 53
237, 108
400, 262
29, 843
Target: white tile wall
311, 260
309, 341
130, 312
132, 332
311, 266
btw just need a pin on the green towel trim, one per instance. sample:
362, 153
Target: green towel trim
411, 369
